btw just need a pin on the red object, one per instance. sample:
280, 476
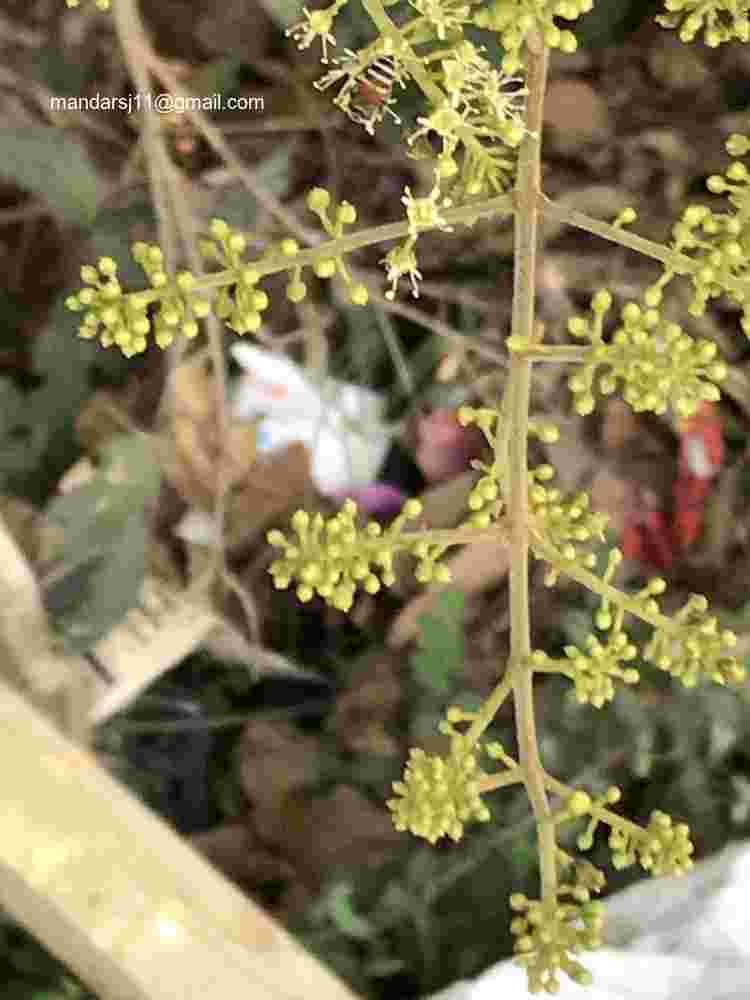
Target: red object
646, 535
701, 458
649, 536
444, 447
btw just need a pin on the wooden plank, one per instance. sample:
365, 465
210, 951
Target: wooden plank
149, 642
117, 895
60, 686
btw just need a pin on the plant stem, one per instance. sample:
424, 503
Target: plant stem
680, 263
596, 585
465, 214
604, 815
519, 389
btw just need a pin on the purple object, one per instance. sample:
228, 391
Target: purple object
381, 499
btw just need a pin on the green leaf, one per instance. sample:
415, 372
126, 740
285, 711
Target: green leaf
46, 425
17, 446
102, 545
54, 165
53, 66
442, 642
12, 313
342, 914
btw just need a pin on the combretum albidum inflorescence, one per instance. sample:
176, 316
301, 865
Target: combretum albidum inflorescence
481, 126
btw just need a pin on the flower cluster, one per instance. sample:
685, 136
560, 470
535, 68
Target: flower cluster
692, 646
239, 303
446, 16
485, 501
514, 19
319, 201
332, 557
483, 103
662, 849
720, 20
561, 522
659, 364
440, 794
593, 672
718, 242
550, 933
173, 305
123, 319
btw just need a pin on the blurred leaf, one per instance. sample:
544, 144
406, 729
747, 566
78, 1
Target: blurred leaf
283, 12
381, 968
112, 236
17, 450
220, 76
52, 65
364, 349
611, 21
65, 362
442, 642
54, 165
342, 914
12, 311
238, 207
102, 544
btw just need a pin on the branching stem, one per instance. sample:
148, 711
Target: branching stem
519, 390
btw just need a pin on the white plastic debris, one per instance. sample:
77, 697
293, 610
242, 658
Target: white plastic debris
668, 939
340, 423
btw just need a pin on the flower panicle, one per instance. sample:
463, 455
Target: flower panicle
173, 304
719, 20
658, 364
331, 558
549, 933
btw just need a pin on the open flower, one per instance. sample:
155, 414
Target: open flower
399, 261
316, 24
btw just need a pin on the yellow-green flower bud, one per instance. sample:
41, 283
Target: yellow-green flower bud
318, 200
579, 803
296, 291
346, 213
325, 268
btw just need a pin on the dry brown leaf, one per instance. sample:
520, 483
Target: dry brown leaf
195, 465
619, 426
612, 495
231, 849
348, 828
574, 107
275, 483
371, 700
473, 569
275, 760
260, 487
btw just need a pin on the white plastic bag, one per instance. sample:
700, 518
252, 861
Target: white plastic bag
340, 423
669, 939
